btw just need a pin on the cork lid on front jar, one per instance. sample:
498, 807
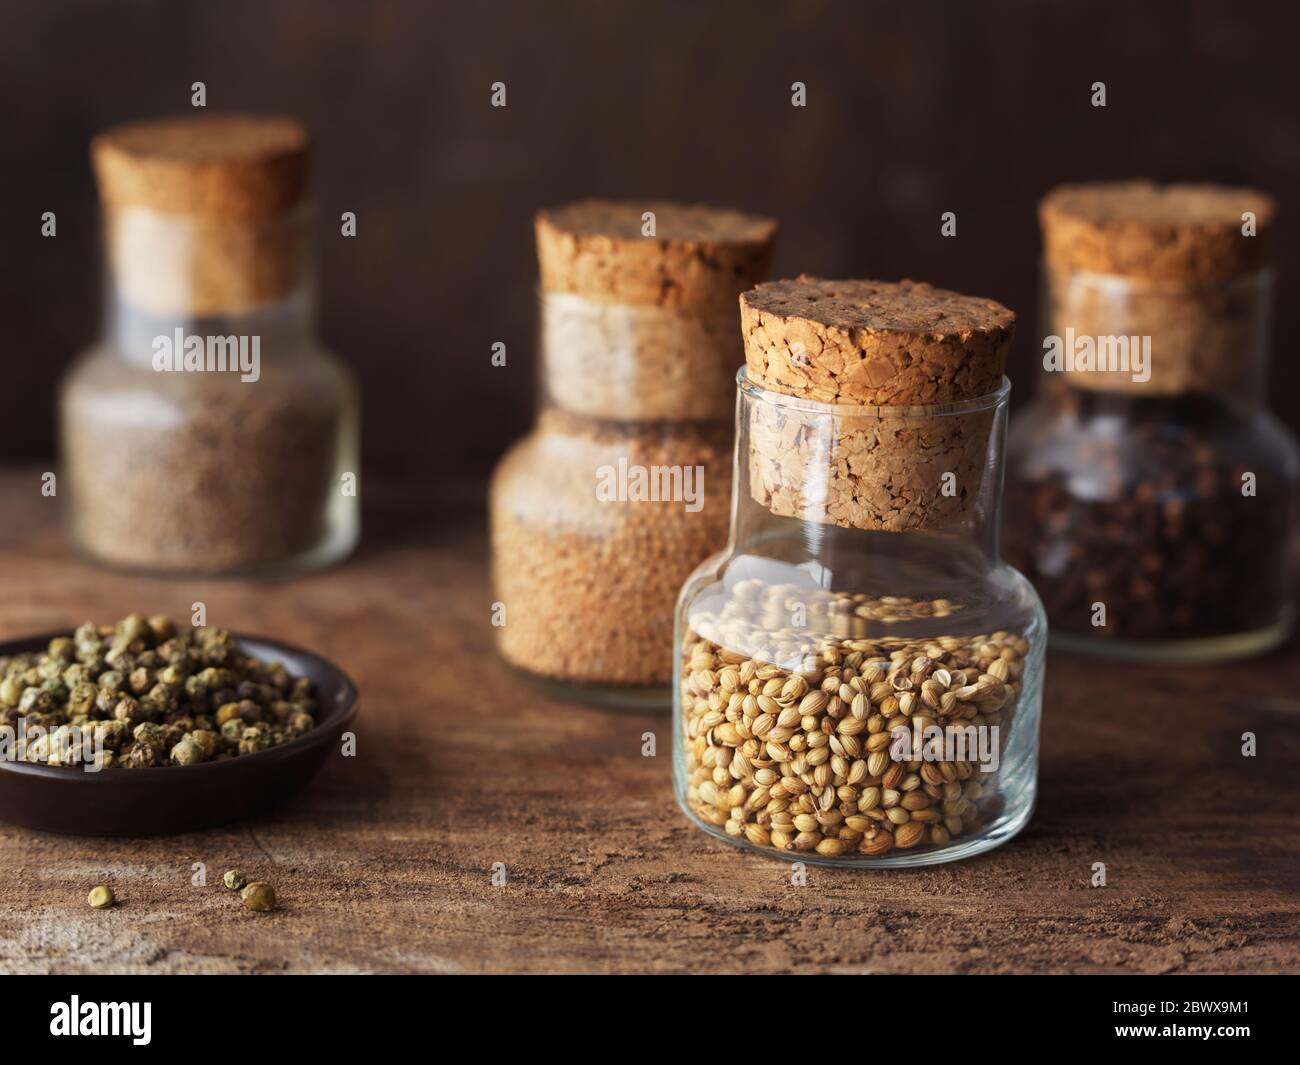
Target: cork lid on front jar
904, 353
200, 211
873, 342
1191, 234
694, 255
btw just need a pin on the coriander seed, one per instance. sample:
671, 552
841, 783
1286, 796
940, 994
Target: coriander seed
101, 897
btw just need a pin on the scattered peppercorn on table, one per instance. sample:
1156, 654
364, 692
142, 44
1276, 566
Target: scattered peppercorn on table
480, 828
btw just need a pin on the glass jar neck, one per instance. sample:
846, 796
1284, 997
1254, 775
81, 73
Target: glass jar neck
638, 362
817, 482
274, 329
1139, 338
171, 278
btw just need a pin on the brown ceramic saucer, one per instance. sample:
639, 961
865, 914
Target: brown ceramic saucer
168, 799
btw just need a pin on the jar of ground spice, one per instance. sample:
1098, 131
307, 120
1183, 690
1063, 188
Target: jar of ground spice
624, 484
859, 674
208, 432
1153, 495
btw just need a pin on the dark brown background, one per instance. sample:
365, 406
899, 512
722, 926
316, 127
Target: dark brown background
913, 109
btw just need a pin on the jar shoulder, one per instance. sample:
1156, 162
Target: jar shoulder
602, 476
783, 602
306, 365
1050, 436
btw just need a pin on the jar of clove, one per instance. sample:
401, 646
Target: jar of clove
208, 432
1152, 492
859, 674
622, 487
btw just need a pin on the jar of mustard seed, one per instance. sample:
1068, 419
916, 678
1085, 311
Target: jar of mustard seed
859, 674
208, 432
623, 485
1153, 494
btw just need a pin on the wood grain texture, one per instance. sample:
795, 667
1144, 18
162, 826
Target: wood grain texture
384, 864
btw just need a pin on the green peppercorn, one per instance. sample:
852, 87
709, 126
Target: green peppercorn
254, 739
86, 637
162, 627
11, 690
234, 879
140, 680
109, 680
37, 701
131, 627
258, 896
81, 699
228, 712
62, 648
111, 734
128, 710
187, 752
148, 732
206, 739
166, 696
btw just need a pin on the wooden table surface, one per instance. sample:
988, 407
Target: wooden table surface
386, 862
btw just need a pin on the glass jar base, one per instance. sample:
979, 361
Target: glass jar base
1205, 650
631, 698
992, 835
340, 542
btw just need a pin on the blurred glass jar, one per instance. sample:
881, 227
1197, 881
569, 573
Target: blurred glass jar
622, 486
859, 673
208, 432
1152, 495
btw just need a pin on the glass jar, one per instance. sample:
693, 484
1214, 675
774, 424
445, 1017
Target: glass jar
208, 432
860, 696
601, 517
622, 486
1152, 504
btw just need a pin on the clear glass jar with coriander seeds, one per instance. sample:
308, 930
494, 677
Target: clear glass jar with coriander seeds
859, 674
598, 515
209, 432
1153, 494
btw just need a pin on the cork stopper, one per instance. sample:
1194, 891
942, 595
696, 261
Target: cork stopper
200, 211
1190, 234
876, 343
698, 255
228, 166
891, 348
